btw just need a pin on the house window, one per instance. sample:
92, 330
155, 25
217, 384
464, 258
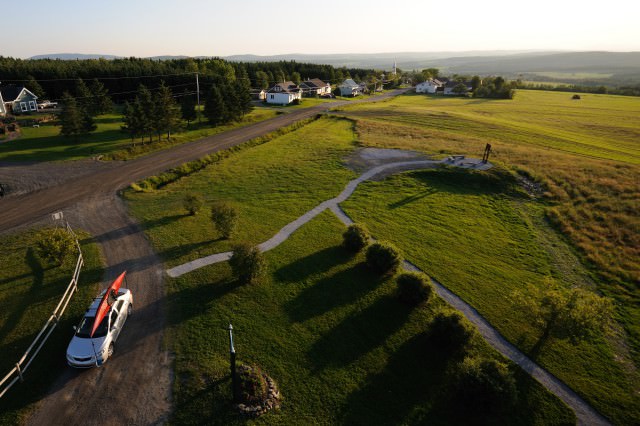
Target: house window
23, 106
272, 96
32, 105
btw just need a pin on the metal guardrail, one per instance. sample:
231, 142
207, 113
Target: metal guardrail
16, 374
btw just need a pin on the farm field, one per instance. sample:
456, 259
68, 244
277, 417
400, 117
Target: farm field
272, 184
29, 292
46, 144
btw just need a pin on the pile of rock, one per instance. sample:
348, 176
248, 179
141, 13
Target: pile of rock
272, 400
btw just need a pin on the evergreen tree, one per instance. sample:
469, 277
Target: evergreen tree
232, 110
214, 107
100, 102
167, 112
35, 88
188, 107
262, 80
83, 95
70, 116
243, 91
131, 121
146, 111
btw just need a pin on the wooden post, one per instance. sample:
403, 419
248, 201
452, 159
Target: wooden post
232, 362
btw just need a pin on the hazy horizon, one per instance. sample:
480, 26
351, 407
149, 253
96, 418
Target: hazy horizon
147, 28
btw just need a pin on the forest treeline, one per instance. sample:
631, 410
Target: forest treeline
122, 77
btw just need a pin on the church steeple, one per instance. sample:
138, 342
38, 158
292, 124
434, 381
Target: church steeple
394, 67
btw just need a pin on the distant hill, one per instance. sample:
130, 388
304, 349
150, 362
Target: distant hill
592, 67
72, 56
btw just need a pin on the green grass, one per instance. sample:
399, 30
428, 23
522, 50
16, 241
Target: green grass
480, 239
46, 144
29, 293
334, 337
575, 75
584, 153
289, 176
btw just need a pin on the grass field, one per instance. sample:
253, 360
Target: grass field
46, 144
475, 235
335, 338
585, 153
270, 185
29, 293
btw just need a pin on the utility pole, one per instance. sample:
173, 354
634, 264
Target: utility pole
198, 95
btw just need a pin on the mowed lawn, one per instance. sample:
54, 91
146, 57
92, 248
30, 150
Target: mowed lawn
333, 335
478, 237
270, 185
45, 143
325, 328
29, 292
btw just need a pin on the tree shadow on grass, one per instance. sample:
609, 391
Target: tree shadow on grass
133, 228
33, 295
410, 389
336, 290
315, 263
360, 333
413, 198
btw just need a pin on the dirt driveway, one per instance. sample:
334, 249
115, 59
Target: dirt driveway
134, 387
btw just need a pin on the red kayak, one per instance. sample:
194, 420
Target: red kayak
107, 300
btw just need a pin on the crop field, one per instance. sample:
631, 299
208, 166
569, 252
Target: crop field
29, 292
45, 143
479, 234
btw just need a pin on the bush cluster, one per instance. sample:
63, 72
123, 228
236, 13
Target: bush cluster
451, 332
225, 218
355, 238
414, 288
383, 257
193, 203
54, 245
247, 263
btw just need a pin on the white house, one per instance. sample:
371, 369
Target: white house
17, 99
284, 93
315, 86
429, 86
349, 88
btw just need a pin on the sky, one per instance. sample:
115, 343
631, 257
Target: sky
267, 27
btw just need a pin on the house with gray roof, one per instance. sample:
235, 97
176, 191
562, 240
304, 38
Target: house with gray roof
349, 88
284, 93
17, 100
315, 86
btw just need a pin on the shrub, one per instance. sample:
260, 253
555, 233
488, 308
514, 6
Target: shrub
383, 257
193, 203
355, 238
252, 386
485, 386
247, 263
54, 245
414, 288
224, 218
451, 332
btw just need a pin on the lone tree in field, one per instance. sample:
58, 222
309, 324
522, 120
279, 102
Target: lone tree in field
224, 218
247, 263
574, 313
355, 238
54, 245
193, 203
414, 288
384, 258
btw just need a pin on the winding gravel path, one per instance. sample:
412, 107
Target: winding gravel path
585, 414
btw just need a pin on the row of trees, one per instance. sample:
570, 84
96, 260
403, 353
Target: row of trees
152, 114
79, 109
228, 101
